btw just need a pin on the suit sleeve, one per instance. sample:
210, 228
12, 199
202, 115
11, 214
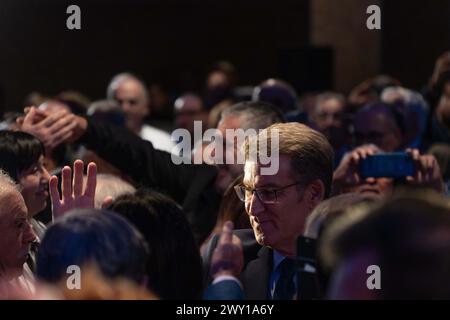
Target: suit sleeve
224, 290
140, 160
189, 184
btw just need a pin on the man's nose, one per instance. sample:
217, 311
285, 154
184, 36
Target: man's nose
126, 106
45, 175
29, 234
255, 206
371, 180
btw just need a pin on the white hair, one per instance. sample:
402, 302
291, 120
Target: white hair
111, 185
7, 183
120, 78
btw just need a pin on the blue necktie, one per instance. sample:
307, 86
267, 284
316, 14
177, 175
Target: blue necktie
285, 286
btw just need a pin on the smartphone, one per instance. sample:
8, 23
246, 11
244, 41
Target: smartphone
306, 249
390, 165
308, 287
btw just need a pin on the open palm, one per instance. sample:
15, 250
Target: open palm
73, 195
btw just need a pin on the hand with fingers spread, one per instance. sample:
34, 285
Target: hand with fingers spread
52, 129
73, 195
228, 258
346, 174
428, 173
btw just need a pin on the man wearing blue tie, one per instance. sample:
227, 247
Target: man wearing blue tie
278, 205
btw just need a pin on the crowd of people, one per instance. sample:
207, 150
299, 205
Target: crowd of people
89, 189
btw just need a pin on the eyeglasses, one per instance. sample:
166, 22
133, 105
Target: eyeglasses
267, 196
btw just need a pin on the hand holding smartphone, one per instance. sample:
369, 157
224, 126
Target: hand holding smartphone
395, 165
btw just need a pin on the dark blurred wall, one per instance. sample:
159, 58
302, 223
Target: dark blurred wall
342, 26
415, 33
170, 41
175, 41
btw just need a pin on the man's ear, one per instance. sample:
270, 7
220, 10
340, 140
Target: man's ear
315, 193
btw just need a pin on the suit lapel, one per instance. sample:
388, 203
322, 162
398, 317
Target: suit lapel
256, 275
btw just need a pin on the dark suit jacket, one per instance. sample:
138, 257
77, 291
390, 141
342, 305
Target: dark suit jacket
258, 263
224, 290
190, 185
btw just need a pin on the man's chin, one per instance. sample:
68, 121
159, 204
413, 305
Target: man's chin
258, 236
261, 239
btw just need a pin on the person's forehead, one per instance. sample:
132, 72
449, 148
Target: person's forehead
130, 87
12, 205
217, 78
373, 121
330, 105
230, 122
253, 176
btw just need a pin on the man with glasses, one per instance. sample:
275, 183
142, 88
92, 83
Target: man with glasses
278, 205
132, 96
198, 188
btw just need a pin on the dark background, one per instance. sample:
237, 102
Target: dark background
414, 34
174, 42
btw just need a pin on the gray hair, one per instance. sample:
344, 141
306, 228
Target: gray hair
254, 115
120, 78
110, 185
7, 183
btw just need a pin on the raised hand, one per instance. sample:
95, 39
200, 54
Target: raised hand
73, 195
52, 129
228, 258
428, 173
347, 173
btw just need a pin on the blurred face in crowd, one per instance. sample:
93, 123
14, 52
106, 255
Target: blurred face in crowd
276, 225
329, 113
379, 128
189, 108
131, 97
375, 187
34, 183
217, 79
328, 119
229, 172
16, 233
